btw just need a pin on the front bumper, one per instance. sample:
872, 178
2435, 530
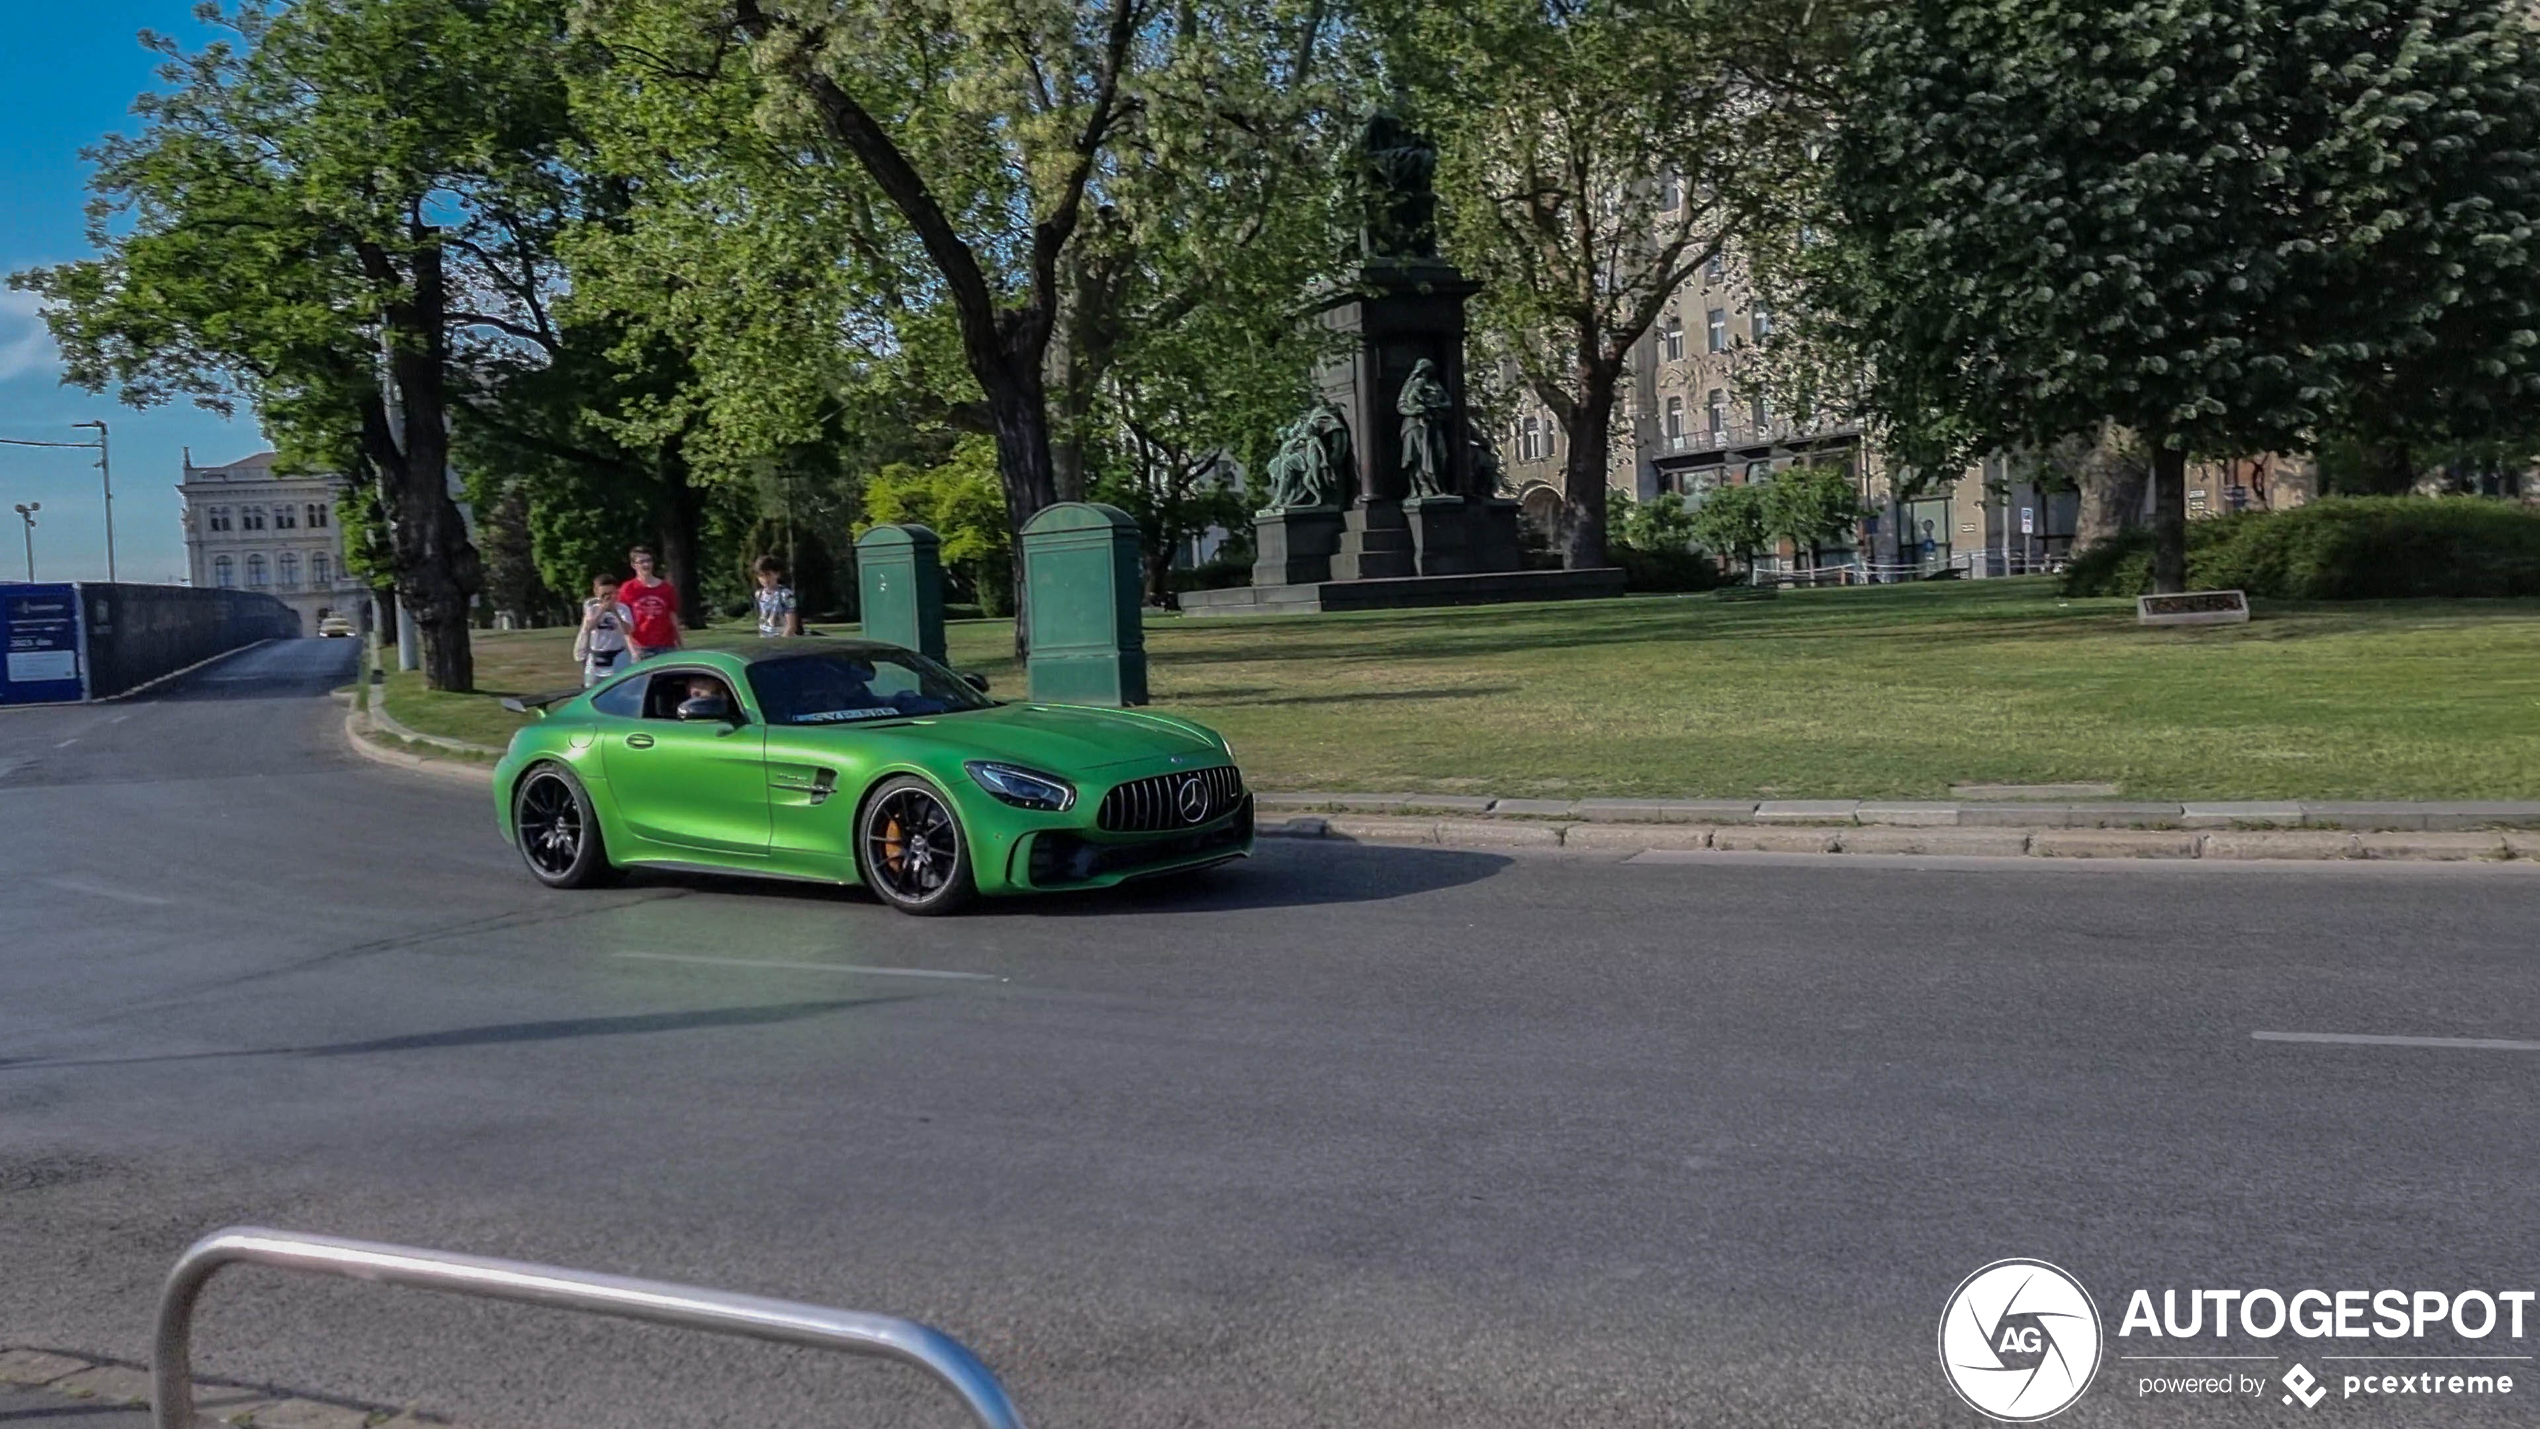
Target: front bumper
1086, 858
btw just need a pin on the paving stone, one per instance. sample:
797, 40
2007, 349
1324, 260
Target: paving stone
2121, 815
1381, 803
2238, 814
2111, 843
1535, 808
2431, 845
120, 1383
1490, 833
1628, 838
1774, 840
1668, 811
1806, 811
1303, 827
2366, 815
2522, 844
2033, 791
309, 1414
36, 1366
1293, 801
1376, 828
2281, 843
1981, 843
2482, 814
1909, 814
2066, 816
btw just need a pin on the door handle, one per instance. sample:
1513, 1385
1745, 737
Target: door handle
639, 741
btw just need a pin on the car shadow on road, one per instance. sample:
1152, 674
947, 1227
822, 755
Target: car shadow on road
493, 1034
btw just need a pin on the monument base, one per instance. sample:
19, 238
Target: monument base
1375, 543
1478, 588
1452, 536
1295, 546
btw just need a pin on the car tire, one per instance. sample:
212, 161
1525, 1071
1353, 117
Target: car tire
557, 831
909, 848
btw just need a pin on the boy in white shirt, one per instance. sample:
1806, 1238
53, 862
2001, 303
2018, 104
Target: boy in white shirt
600, 645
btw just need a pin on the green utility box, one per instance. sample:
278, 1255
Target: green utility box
901, 579
1082, 578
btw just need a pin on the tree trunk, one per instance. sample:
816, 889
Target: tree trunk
438, 569
2169, 519
1023, 469
2113, 480
1588, 429
678, 518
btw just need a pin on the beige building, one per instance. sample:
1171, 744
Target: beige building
247, 528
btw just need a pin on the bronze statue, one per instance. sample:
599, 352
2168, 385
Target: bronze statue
1396, 165
1424, 406
1312, 465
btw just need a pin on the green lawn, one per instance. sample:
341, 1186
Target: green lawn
1892, 692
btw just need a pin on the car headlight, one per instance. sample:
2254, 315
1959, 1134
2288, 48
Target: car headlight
1022, 788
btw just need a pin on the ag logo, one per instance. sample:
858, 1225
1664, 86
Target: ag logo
2019, 1340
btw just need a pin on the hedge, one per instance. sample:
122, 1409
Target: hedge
2339, 548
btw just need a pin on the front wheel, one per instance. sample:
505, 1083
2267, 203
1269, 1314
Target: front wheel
559, 836
910, 851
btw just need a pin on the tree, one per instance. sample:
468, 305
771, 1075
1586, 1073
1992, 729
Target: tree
960, 500
2220, 224
1594, 154
1811, 505
1732, 521
317, 217
1030, 156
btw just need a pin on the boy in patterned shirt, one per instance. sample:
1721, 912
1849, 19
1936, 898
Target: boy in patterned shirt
776, 613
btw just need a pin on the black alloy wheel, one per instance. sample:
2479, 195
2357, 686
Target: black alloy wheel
559, 836
910, 851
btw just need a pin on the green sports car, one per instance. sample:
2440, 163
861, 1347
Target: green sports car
849, 761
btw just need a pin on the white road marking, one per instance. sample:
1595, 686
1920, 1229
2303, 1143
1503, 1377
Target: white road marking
99, 890
65, 744
2360, 1039
811, 967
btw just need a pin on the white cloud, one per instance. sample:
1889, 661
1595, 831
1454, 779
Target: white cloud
25, 345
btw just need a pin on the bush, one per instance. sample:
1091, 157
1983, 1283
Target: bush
1216, 575
2339, 548
1666, 570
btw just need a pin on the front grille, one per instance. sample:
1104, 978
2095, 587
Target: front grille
1060, 858
1144, 806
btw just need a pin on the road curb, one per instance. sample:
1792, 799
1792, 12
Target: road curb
253, 1406
2221, 848
377, 753
2220, 816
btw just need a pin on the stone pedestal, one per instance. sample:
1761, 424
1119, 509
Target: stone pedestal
1496, 545
1295, 546
1375, 543
1441, 535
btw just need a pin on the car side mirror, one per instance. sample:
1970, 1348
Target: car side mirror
706, 707
976, 682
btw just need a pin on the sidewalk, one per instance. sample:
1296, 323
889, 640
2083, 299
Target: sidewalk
43, 1387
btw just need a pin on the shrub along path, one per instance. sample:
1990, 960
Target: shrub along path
1883, 692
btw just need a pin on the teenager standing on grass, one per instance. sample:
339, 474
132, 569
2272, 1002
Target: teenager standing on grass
653, 606
777, 614
601, 643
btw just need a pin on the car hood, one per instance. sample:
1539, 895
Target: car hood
1059, 739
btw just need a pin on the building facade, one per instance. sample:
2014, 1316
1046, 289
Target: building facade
247, 528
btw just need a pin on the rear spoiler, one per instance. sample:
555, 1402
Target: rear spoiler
537, 704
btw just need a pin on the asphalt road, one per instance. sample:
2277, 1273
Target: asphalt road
1340, 1136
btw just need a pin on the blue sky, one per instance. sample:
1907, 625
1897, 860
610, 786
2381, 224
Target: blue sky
71, 72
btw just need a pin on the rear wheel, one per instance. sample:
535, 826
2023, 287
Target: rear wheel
909, 849
558, 834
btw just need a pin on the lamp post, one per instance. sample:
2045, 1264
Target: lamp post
106, 477
26, 512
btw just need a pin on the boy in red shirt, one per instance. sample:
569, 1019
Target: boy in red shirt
654, 605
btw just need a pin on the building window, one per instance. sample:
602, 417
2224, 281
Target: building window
1718, 267
216, 519
1719, 411
287, 569
321, 570
251, 518
1671, 193
317, 515
1718, 320
1529, 440
1763, 415
1551, 437
1760, 324
1671, 338
255, 573
224, 572
1675, 420
284, 518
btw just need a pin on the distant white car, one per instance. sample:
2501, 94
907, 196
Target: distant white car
332, 626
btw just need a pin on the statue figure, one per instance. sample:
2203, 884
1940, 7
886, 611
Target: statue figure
1311, 467
1399, 208
1424, 406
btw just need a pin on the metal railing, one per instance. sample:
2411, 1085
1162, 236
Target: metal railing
689, 1307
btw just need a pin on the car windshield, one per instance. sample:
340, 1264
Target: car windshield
847, 688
